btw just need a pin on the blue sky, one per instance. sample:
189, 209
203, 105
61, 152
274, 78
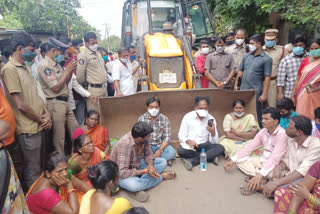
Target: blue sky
100, 12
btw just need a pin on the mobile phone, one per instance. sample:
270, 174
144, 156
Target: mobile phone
210, 122
308, 91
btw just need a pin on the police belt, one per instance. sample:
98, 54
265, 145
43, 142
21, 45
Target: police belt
65, 99
96, 85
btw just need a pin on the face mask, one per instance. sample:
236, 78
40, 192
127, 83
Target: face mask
315, 53
270, 43
285, 115
93, 48
220, 49
28, 56
298, 51
239, 41
205, 51
114, 189
230, 42
59, 58
105, 58
318, 126
133, 57
252, 48
238, 115
202, 112
28, 63
153, 112
124, 60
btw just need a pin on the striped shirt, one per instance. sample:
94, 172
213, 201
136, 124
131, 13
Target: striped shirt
287, 72
161, 129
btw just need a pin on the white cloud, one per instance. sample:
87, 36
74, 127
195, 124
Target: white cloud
100, 12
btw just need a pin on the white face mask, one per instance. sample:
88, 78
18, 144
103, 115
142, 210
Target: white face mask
93, 48
153, 112
238, 115
239, 41
124, 60
205, 51
252, 48
202, 113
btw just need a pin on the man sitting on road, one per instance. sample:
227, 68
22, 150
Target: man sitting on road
160, 137
195, 134
303, 152
274, 140
139, 170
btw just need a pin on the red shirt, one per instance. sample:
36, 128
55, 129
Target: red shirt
43, 201
200, 63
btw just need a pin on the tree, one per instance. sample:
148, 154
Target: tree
253, 14
115, 43
49, 16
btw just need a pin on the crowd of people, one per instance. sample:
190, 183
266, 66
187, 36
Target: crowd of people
50, 96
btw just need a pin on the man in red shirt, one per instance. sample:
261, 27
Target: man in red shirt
201, 61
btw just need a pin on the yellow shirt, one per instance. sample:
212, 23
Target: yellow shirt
119, 206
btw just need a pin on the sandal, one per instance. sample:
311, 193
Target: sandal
169, 175
244, 190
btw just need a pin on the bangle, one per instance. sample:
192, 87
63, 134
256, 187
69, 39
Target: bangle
146, 170
71, 191
161, 150
310, 199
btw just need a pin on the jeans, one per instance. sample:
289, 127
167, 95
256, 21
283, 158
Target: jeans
212, 151
144, 182
168, 153
80, 111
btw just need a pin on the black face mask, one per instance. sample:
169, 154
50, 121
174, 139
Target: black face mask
285, 115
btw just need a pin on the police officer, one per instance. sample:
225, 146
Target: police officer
54, 82
91, 70
276, 52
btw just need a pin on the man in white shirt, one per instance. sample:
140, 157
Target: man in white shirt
135, 67
122, 75
195, 134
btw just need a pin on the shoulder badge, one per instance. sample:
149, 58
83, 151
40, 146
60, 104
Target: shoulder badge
48, 72
81, 61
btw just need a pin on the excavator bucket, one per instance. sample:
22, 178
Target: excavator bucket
118, 114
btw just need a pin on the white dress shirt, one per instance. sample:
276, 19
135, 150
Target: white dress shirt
192, 128
124, 75
74, 84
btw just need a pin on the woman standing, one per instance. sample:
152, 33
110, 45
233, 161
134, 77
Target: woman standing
105, 179
306, 92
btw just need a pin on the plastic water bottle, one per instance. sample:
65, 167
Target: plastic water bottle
203, 160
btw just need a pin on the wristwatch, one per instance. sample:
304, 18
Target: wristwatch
225, 82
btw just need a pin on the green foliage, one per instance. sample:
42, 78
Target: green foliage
253, 14
48, 16
115, 43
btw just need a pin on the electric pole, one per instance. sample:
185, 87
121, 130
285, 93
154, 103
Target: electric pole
107, 35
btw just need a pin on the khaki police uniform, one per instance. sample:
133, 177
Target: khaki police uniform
91, 68
18, 79
50, 73
276, 53
237, 53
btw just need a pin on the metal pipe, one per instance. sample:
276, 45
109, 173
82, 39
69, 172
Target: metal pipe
149, 16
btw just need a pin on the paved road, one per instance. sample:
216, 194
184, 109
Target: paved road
210, 192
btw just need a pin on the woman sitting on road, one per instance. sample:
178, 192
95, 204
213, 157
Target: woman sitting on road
239, 127
105, 179
97, 132
86, 154
301, 198
43, 196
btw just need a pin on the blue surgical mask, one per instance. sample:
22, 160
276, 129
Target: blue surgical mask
230, 42
318, 126
59, 58
132, 58
298, 51
105, 58
270, 43
28, 63
28, 56
315, 53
